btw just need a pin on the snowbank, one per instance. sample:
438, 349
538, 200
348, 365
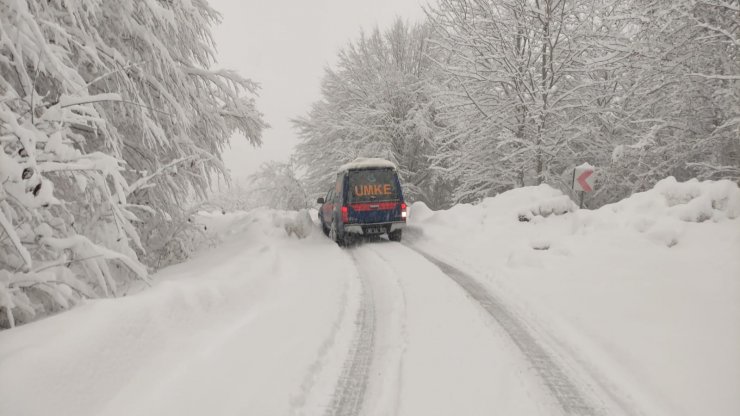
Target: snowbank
646, 289
659, 214
267, 222
691, 201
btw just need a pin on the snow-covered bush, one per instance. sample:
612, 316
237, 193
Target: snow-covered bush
557, 205
109, 120
174, 239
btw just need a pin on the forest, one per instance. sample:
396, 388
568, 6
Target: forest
489, 95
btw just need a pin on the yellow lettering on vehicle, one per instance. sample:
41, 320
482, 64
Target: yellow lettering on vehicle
372, 190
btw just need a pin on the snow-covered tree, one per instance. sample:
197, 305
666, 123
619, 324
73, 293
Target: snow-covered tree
642, 89
110, 117
276, 185
525, 78
678, 101
376, 103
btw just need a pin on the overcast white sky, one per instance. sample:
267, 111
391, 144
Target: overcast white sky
285, 46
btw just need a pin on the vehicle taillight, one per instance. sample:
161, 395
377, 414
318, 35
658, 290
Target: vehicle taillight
345, 214
403, 210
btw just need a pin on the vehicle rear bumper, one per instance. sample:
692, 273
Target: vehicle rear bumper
358, 228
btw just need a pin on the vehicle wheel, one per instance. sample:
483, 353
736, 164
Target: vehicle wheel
348, 240
395, 235
335, 236
324, 229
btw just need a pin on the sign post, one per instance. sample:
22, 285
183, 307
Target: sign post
583, 180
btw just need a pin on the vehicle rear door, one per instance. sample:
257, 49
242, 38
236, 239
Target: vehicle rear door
374, 196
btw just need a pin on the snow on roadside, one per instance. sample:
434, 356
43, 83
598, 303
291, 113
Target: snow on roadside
646, 291
245, 327
272, 223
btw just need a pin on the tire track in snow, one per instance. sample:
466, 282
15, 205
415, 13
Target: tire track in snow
564, 390
350, 391
391, 311
310, 379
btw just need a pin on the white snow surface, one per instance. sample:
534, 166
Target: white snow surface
645, 293
365, 163
240, 329
640, 298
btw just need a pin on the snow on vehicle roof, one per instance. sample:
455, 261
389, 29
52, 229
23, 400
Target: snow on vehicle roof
365, 163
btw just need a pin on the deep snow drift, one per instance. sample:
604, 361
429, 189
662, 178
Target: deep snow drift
644, 292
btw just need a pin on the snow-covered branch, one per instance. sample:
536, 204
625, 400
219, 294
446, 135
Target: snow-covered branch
92, 97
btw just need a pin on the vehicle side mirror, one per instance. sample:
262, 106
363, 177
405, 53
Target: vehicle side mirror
320, 201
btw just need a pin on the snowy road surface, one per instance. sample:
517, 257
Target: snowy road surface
447, 323
435, 352
569, 396
373, 330
352, 385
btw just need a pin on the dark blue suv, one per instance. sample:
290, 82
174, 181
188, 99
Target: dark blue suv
365, 200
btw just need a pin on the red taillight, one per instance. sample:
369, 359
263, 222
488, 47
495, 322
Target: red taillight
345, 214
403, 210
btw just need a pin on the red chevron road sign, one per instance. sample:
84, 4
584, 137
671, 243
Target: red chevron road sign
583, 178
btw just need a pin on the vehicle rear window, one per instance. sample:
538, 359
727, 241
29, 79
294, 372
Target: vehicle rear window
372, 185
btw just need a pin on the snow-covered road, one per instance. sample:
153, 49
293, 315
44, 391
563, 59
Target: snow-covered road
562, 386
435, 351
299, 328
495, 320
252, 329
